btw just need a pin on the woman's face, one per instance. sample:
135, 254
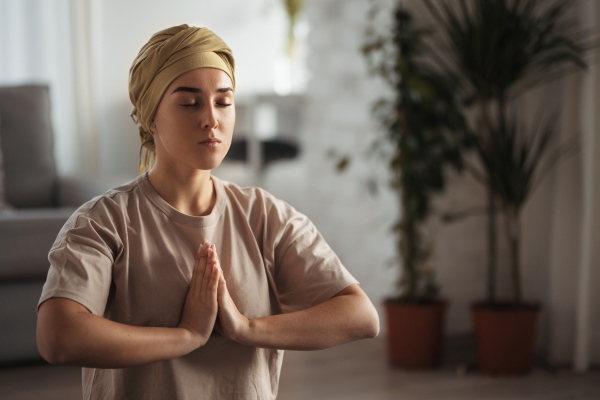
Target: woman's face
194, 120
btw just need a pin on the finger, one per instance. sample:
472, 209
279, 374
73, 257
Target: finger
202, 250
213, 255
222, 289
205, 246
214, 281
207, 271
199, 251
200, 265
211, 259
204, 256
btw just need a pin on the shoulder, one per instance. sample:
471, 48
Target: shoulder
263, 209
256, 200
104, 214
111, 201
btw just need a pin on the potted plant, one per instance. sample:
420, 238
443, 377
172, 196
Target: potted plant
528, 43
506, 331
424, 125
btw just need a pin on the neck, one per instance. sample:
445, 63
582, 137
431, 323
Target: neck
190, 191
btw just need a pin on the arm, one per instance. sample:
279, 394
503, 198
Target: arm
346, 317
68, 333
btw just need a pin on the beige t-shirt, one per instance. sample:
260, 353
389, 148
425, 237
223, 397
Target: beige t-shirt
128, 255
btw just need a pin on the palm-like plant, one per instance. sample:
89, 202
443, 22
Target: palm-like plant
428, 132
499, 49
523, 158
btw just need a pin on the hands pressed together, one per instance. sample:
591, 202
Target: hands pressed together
70, 334
347, 316
208, 304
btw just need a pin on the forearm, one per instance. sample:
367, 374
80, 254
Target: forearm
338, 320
109, 344
93, 341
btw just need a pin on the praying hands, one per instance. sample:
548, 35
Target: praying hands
70, 334
347, 316
208, 298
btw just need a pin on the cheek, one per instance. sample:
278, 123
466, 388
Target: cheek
171, 133
171, 122
228, 122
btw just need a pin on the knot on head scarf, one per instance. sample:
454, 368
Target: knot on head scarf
167, 55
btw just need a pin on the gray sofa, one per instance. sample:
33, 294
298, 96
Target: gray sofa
42, 202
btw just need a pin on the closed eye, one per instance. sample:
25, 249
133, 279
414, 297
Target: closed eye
195, 104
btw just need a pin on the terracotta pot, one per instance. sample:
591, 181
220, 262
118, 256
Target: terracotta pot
505, 337
414, 333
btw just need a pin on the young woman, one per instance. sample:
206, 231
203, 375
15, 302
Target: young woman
180, 285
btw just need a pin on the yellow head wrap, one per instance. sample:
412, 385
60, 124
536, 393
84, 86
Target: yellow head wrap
167, 55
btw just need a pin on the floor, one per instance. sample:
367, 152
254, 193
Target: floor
352, 371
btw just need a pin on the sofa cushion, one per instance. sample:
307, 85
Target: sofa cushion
18, 314
26, 236
27, 143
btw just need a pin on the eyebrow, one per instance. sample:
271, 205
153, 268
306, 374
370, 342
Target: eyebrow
196, 90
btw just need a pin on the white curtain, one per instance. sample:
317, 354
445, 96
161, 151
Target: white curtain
51, 42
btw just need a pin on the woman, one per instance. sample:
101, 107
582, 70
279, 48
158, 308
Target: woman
180, 285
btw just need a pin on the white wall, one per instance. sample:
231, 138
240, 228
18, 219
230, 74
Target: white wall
355, 223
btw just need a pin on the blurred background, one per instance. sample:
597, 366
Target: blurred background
305, 126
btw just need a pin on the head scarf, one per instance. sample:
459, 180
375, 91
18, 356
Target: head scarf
167, 55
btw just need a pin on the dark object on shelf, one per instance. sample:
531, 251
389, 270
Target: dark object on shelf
273, 150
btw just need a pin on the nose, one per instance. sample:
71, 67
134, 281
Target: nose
209, 118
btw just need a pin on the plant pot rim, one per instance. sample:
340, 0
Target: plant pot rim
442, 301
505, 306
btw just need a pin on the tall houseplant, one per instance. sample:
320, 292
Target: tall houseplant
424, 125
499, 50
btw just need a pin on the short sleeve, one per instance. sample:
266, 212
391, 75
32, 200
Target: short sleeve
81, 261
307, 271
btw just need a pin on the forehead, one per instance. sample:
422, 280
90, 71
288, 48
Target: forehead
207, 78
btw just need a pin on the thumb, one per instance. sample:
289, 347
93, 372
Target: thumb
222, 290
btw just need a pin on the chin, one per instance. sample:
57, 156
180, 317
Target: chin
207, 164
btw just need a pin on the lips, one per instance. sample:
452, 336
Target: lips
211, 143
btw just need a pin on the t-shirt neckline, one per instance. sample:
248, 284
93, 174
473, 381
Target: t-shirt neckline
199, 221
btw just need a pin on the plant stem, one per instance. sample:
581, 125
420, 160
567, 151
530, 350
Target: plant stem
408, 235
502, 113
492, 239
513, 232
492, 247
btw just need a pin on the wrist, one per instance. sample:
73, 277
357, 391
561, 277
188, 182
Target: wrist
247, 332
192, 341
